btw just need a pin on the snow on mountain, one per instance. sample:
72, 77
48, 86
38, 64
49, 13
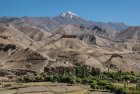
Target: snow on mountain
69, 14
72, 18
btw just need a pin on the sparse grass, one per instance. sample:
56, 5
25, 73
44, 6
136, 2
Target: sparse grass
27, 84
11, 91
9, 83
35, 83
122, 84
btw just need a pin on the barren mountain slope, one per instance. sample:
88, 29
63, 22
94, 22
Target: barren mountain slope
34, 33
79, 30
14, 36
40, 22
132, 33
25, 59
130, 38
17, 51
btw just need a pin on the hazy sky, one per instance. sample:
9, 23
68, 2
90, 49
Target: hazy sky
127, 11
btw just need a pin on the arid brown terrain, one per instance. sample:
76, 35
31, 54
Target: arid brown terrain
31, 44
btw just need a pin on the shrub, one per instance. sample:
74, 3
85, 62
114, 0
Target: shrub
93, 85
26, 79
78, 80
86, 81
39, 78
72, 81
118, 90
55, 78
65, 79
7, 85
127, 77
49, 78
102, 83
44, 75
108, 87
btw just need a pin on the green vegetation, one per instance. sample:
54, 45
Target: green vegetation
93, 85
117, 82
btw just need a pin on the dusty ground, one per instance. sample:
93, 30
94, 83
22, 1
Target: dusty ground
47, 88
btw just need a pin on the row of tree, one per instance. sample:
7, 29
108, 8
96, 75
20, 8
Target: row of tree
86, 75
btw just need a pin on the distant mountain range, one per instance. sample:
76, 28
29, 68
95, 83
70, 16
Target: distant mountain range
63, 19
71, 18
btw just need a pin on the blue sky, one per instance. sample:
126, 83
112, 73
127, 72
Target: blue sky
127, 11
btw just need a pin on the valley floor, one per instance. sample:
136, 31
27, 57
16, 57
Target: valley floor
46, 88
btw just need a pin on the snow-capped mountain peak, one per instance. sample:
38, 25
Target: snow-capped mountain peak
69, 14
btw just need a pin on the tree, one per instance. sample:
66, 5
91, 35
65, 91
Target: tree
49, 78
40, 78
95, 71
44, 75
85, 81
138, 85
108, 87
